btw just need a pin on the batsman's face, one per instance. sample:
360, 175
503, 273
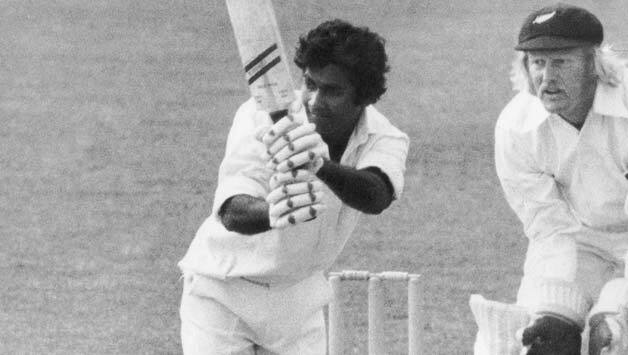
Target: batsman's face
563, 79
329, 100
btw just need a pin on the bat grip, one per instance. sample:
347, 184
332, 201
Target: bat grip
277, 115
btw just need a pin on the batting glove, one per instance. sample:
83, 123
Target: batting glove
269, 131
608, 322
551, 335
293, 176
295, 198
291, 143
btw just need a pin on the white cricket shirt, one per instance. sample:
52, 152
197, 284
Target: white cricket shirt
567, 186
294, 253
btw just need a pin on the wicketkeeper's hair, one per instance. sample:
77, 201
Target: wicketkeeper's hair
356, 49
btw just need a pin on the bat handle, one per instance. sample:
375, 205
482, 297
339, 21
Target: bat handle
277, 115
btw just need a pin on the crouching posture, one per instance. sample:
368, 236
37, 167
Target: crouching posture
561, 155
288, 197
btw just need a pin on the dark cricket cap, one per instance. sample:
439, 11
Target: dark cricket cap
560, 26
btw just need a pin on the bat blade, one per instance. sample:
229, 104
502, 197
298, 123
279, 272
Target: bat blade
262, 53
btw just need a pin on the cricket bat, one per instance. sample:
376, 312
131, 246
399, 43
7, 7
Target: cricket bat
263, 56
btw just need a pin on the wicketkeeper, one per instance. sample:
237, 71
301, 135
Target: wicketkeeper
561, 154
288, 198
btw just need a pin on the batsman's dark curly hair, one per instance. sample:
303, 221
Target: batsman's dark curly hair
356, 49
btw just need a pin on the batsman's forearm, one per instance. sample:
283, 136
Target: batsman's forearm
367, 190
245, 214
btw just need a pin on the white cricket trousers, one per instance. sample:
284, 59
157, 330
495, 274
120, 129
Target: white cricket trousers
238, 317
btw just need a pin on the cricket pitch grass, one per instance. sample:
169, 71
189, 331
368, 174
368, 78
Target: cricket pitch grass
114, 120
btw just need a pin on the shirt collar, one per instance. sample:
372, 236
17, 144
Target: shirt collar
611, 100
365, 125
371, 122
537, 112
360, 133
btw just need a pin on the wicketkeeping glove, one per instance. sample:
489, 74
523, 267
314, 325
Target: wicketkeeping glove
608, 322
291, 143
608, 334
295, 198
551, 335
600, 334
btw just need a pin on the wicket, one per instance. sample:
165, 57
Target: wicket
376, 311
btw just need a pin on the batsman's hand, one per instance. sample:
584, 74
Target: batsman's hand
551, 335
295, 198
292, 143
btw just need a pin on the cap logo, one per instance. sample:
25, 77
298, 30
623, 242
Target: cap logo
544, 17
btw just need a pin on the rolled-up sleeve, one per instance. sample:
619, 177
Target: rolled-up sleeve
388, 153
242, 170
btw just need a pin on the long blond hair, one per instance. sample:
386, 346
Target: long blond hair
609, 68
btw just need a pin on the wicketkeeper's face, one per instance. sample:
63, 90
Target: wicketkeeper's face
329, 100
563, 79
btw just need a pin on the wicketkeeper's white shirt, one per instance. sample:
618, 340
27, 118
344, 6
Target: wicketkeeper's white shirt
567, 187
294, 253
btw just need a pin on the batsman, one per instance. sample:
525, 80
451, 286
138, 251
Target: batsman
288, 197
561, 155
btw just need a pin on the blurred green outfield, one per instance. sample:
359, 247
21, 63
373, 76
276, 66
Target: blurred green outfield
114, 117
